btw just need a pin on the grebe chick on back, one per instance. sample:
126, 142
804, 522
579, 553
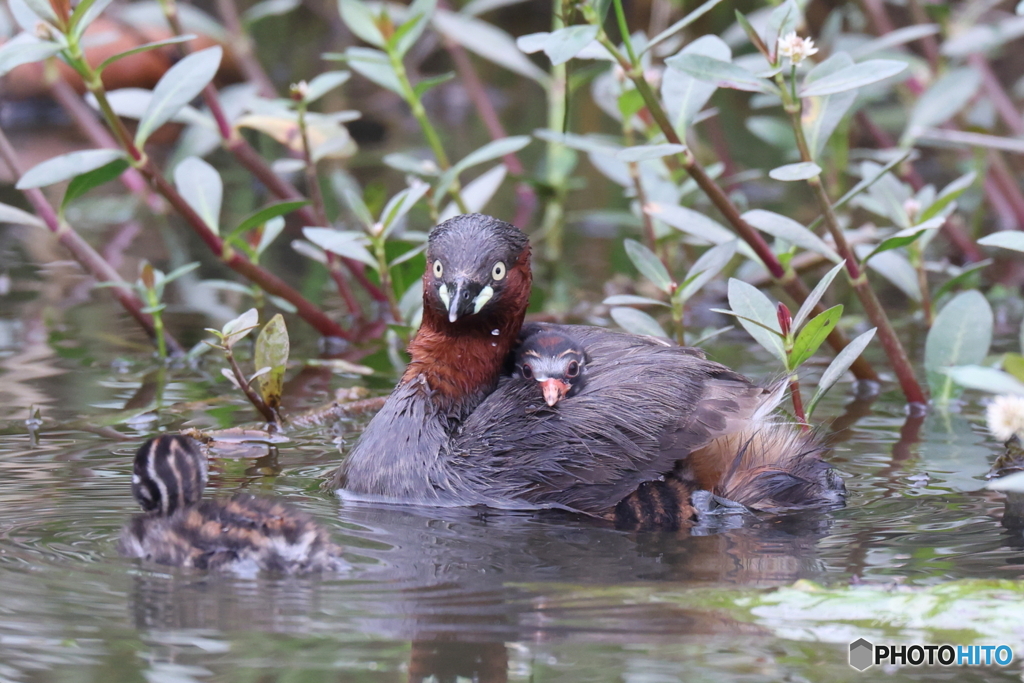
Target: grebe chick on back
241, 534
552, 358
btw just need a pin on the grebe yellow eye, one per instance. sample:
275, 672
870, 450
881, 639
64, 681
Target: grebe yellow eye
498, 271
438, 269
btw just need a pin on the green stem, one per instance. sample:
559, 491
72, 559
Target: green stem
433, 139
620, 16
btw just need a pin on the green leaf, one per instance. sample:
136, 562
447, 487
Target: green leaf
649, 152
637, 322
418, 16
684, 95
178, 272
67, 166
632, 300
236, 330
361, 21
949, 194
853, 77
272, 352
350, 192
271, 230
895, 268
263, 215
698, 225
961, 278
477, 193
788, 229
373, 65
722, 74
783, 20
985, 379
750, 305
821, 115
178, 86
143, 48
1005, 239
752, 34
565, 43
268, 8
840, 364
900, 36
18, 51
324, 83
903, 238
347, 244
487, 41
811, 337
705, 268
200, 185
630, 102
427, 84
942, 101
401, 204
681, 24
864, 184
42, 9
800, 171
649, 265
87, 181
15, 216
960, 335
815, 296
492, 150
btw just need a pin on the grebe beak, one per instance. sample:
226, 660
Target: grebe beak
467, 297
554, 390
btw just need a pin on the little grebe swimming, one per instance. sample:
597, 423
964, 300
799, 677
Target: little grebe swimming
652, 424
242, 534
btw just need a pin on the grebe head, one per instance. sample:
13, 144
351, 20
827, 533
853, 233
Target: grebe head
476, 265
169, 474
555, 360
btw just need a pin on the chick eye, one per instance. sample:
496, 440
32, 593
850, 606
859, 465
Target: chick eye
527, 371
438, 269
573, 369
498, 271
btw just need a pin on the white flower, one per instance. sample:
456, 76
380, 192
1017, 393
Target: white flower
913, 208
796, 48
1005, 417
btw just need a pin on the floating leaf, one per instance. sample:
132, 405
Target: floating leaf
200, 185
821, 115
271, 354
67, 166
648, 152
722, 74
840, 364
960, 335
799, 171
749, 304
637, 322
788, 229
176, 88
815, 296
87, 181
487, 41
684, 95
565, 43
853, 77
347, 244
649, 265
813, 335
15, 216
1007, 239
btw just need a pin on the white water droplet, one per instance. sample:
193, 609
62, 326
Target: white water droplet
495, 332
494, 343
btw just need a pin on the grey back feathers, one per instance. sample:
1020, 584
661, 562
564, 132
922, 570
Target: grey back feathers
170, 473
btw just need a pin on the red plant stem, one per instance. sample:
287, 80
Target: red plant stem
798, 403
255, 399
1001, 174
91, 262
997, 94
788, 280
928, 43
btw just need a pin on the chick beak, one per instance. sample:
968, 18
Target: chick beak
554, 390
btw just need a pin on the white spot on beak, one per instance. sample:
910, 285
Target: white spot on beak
442, 292
495, 332
482, 298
